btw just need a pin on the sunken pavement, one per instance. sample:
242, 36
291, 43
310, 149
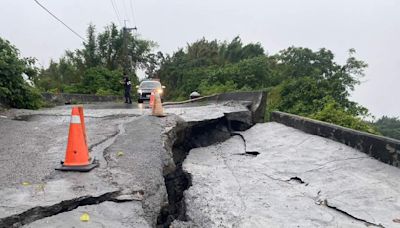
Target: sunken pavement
208, 163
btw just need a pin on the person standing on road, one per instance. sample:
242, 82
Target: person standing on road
127, 87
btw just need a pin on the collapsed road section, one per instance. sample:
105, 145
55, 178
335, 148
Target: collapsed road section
203, 165
296, 180
138, 181
184, 137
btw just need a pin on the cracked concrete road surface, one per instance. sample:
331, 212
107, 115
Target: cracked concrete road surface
296, 180
192, 168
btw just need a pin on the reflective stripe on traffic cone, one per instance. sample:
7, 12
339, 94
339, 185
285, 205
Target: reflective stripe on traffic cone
77, 154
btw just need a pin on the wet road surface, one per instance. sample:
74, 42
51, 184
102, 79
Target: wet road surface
129, 143
268, 176
295, 180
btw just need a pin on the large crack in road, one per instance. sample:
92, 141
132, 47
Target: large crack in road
135, 165
200, 134
42, 211
277, 187
187, 135
367, 223
187, 170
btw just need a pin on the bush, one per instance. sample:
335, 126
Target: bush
333, 113
14, 90
389, 126
104, 92
273, 101
207, 89
100, 80
73, 88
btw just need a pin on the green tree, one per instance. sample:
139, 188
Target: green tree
313, 76
90, 51
298, 80
14, 90
389, 126
102, 81
221, 65
332, 112
102, 54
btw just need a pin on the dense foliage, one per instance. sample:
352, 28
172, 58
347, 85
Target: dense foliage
313, 78
389, 126
332, 112
299, 80
97, 68
210, 67
14, 89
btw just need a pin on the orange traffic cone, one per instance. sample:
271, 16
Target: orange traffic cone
151, 103
77, 155
80, 108
157, 106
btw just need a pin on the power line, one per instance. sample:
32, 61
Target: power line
133, 13
58, 19
116, 12
125, 10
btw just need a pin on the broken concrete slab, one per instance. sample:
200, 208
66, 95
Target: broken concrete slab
106, 214
208, 112
31, 202
140, 167
30, 150
297, 180
148, 162
255, 102
134, 152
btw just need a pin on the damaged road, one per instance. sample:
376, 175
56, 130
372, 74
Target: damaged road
127, 190
296, 180
203, 165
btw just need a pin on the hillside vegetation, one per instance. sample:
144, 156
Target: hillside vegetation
298, 80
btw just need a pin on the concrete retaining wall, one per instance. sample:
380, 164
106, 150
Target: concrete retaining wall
382, 148
65, 98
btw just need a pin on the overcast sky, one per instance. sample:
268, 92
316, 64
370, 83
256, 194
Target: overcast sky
372, 27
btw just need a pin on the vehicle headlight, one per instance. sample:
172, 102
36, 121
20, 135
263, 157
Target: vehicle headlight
139, 91
160, 91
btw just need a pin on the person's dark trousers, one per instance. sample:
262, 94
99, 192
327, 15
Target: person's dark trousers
128, 97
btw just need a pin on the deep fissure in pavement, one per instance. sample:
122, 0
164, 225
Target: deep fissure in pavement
367, 223
40, 212
246, 152
199, 135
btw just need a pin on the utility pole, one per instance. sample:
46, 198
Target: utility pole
126, 65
